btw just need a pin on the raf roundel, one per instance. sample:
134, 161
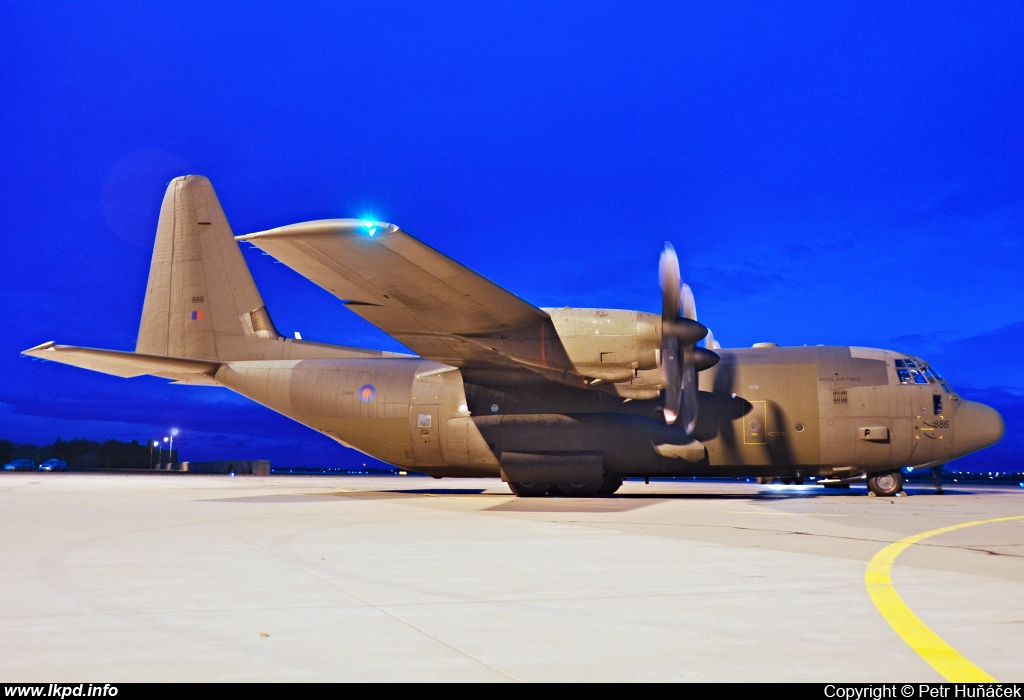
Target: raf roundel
367, 392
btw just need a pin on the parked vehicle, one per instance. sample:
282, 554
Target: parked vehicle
20, 465
53, 465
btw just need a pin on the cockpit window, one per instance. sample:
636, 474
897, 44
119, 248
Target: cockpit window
940, 380
913, 372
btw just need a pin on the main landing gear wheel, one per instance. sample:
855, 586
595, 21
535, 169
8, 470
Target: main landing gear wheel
529, 489
885, 483
610, 485
584, 489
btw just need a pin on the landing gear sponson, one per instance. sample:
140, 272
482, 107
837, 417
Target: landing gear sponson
583, 489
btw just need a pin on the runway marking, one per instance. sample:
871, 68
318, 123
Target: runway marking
951, 664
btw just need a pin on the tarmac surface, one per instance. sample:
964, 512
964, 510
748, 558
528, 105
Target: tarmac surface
109, 578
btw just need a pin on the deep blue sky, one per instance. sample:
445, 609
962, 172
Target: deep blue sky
830, 173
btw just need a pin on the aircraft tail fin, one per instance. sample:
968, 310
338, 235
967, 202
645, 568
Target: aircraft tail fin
201, 301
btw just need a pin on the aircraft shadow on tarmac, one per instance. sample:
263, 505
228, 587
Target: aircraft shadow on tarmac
552, 504
610, 504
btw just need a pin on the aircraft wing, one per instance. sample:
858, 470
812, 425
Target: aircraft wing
429, 302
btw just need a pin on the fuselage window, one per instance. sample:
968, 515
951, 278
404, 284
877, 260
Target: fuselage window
937, 404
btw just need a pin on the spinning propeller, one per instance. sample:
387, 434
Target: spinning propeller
681, 359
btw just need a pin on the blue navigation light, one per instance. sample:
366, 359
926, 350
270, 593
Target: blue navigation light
371, 228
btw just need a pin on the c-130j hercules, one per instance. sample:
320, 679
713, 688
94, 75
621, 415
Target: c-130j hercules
564, 401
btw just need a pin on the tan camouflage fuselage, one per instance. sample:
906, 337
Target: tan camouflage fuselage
799, 411
503, 388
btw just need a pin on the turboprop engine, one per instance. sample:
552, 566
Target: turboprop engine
681, 359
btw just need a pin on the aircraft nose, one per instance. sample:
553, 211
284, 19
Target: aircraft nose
977, 426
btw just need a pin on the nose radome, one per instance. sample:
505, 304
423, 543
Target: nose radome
977, 426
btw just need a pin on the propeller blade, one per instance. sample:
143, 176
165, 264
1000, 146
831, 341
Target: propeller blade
710, 343
689, 304
680, 333
671, 365
689, 389
668, 276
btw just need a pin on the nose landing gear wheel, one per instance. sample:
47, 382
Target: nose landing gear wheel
885, 483
531, 489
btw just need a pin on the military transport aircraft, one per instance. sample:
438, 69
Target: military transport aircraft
553, 401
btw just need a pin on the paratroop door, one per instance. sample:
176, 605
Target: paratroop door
425, 424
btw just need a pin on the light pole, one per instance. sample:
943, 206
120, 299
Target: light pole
159, 452
170, 455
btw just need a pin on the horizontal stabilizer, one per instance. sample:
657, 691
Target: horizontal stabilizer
128, 364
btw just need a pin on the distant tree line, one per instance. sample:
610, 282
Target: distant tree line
89, 454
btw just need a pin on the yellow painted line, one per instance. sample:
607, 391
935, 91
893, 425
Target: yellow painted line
951, 664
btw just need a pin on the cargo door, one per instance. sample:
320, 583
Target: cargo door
426, 446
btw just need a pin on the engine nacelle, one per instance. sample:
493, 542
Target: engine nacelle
608, 344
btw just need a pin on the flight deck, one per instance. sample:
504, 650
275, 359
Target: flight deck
171, 577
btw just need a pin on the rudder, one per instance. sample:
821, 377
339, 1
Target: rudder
201, 301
